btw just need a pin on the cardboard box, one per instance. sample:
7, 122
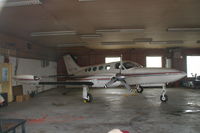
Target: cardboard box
26, 97
19, 98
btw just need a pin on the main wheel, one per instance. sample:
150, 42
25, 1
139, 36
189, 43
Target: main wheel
140, 89
89, 98
164, 98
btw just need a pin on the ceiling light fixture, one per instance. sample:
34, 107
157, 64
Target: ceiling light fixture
85, 0
72, 44
20, 3
118, 43
141, 40
119, 30
90, 36
184, 29
167, 42
53, 33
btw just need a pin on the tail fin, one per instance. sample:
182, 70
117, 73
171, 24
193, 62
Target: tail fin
70, 64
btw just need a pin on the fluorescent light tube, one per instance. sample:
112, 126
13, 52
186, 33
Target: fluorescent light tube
107, 30
85, 0
142, 40
53, 33
20, 3
90, 36
119, 30
184, 29
118, 43
167, 42
72, 44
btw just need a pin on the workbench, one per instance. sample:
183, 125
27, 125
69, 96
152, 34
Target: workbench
10, 125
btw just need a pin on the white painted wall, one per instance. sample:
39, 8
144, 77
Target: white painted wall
32, 67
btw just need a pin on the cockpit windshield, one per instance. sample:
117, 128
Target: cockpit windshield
128, 65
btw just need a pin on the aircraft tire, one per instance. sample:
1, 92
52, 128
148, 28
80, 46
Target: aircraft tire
140, 90
164, 98
89, 98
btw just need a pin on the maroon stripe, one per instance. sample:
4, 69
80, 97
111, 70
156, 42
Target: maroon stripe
150, 73
138, 74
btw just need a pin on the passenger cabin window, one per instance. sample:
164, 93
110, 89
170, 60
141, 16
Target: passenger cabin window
94, 68
100, 67
89, 69
107, 67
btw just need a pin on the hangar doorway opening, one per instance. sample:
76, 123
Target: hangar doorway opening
193, 65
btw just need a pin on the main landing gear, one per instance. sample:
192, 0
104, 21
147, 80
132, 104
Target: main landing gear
139, 89
87, 97
164, 97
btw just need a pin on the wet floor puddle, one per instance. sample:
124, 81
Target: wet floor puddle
188, 111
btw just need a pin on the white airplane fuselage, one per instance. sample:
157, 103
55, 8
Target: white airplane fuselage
134, 76
114, 74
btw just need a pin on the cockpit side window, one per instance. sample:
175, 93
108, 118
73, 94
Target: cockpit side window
129, 65
117, 66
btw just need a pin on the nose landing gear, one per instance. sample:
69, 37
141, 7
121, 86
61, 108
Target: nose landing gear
139, 89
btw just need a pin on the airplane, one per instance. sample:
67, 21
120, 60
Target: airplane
122, 73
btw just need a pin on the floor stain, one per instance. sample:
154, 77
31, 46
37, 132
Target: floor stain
58, 104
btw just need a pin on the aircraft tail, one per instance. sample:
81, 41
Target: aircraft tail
71, 65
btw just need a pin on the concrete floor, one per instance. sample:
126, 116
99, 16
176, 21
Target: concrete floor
53, 112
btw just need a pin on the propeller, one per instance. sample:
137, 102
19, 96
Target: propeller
119, 77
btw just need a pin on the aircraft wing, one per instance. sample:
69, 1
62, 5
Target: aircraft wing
31, 79
66, 83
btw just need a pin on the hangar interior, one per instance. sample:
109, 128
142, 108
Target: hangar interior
36, 34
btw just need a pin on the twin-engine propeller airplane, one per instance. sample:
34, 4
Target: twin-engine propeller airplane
114, 74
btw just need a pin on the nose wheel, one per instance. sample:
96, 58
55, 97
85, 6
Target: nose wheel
139, 89
164, 98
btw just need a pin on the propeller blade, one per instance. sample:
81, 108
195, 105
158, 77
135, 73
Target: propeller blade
127, 86
113, 80
121, 63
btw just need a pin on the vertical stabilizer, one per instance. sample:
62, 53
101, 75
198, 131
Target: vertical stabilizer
71, 65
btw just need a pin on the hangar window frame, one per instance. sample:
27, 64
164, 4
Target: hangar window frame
157, 64
112, 59
193, 69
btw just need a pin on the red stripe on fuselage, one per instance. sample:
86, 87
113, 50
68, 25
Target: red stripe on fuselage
135, 74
